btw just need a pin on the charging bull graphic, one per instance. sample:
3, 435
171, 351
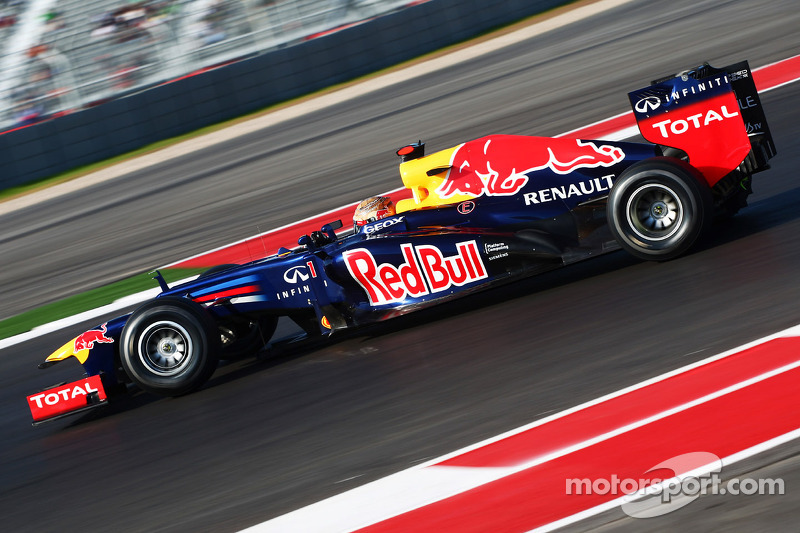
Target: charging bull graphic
498, 165
86, 340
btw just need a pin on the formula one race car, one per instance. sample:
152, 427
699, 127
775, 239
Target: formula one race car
484, 212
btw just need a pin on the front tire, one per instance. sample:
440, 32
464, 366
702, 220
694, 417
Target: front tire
169, 346
659, 208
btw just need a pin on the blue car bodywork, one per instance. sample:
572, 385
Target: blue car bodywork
484, 212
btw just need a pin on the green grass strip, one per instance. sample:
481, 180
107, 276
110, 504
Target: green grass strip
87, 301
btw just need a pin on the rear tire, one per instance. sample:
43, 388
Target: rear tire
169, 346
659, 208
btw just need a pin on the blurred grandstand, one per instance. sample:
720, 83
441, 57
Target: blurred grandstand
60, 56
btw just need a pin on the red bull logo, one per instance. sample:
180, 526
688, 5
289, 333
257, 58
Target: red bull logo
425, 270
86, 340
498, 165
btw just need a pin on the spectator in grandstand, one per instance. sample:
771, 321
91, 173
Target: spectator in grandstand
130, 16
208, 26
53, 21
105, 25
7, 20
29, 112
124, 24
121, 20
38, 65
30, 97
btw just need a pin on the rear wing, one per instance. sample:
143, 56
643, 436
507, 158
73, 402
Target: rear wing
713, 114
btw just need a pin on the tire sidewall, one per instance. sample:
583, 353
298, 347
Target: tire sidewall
201, 358
676, 178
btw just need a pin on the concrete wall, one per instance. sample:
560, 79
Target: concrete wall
128, 123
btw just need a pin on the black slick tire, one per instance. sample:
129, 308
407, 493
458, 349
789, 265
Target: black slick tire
659, 208
169, 346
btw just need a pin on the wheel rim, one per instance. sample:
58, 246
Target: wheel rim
165, 348
654, 212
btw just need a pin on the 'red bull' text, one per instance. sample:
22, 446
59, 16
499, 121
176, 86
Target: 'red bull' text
425, 270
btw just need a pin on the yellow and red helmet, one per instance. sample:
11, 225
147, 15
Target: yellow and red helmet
372, 209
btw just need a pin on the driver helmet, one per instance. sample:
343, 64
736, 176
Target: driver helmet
372, 209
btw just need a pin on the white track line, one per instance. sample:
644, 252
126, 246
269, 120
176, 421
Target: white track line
726, 461
427, 483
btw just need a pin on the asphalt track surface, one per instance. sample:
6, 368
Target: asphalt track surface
267, 436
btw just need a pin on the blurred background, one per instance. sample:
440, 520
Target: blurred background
60, 56
83, 82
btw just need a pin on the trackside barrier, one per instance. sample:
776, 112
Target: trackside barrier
182, 106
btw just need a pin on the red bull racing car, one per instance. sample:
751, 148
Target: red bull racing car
482, 213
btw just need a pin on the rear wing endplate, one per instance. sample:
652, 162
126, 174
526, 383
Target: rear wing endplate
674, 100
